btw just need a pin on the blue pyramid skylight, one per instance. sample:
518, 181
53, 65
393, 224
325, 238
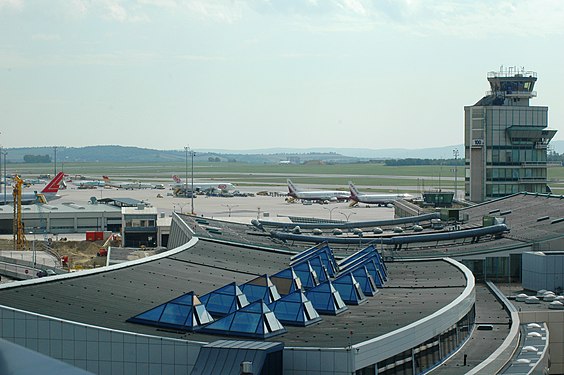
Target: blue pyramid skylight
366, 253
374, 271
369, 261
349, 289
260, 288
382, 266
307, 275
185, 312
286, 281
366, 281
295, 309
254, 320
224, 300
326, 299
351, 258
322, 250
317, 265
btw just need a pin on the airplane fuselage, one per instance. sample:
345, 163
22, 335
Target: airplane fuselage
203, 186
379, 199
320, 195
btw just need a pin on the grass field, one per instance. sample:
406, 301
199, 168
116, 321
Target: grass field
375, 177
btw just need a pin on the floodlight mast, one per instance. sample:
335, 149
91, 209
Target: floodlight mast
192, 196
186, 148
455, 152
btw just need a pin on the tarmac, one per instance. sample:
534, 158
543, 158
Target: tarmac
241, 209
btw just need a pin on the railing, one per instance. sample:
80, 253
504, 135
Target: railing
533, 179
531, 94
512, 71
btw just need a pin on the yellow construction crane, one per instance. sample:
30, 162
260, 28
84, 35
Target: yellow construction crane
19, 235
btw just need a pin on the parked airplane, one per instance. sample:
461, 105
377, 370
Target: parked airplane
126, 184
320, 195
201, 186
33, 181
49, 192
379, 199
89, 183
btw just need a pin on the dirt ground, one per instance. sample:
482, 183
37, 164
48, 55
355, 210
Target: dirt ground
81, 254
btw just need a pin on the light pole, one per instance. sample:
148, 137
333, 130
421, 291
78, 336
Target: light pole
186, 148
186, 171
63, 164
181, 206
34, 255
330, 212
229, 207
455, 152
5, 154
347, 216
55, 152
192, 196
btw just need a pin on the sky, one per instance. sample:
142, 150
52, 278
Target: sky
240, 75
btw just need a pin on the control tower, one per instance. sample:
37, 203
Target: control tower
506, 138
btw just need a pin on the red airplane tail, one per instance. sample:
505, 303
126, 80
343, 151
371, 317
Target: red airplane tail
176, 179
53, 186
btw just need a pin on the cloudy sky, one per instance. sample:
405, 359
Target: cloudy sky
265, 73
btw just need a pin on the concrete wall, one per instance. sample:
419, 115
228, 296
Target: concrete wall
96, 349
317, 361
543, 271
373, 351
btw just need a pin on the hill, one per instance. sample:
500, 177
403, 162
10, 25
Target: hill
125, 154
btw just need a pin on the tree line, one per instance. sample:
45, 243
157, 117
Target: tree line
415, 161
37, 159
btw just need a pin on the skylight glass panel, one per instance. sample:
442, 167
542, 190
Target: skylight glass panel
326, 299
245, 322
250, 321
175, 314
154, 314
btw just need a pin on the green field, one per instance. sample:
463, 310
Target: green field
377, 176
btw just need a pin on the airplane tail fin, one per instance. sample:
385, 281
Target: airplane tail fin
176, 179
292, 190
53, 186
354, 191
106, 178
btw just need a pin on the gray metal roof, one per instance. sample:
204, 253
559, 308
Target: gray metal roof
121, 202
521, 211
224, 357
415, 290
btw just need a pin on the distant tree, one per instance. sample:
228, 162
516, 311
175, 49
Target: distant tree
37, 159
555, 156
211, 159
414, 161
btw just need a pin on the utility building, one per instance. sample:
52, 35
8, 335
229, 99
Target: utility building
506, 139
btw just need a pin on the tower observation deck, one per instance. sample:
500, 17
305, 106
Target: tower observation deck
513, 86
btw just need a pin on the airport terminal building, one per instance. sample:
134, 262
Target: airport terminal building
395, 330
231, 301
